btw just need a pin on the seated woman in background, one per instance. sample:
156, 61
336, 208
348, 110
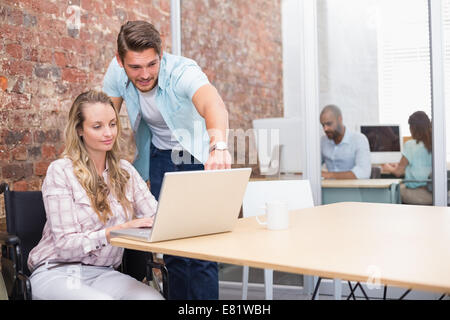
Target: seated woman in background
87, 194
415, 163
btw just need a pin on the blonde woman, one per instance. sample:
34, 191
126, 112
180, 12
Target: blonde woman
87, 194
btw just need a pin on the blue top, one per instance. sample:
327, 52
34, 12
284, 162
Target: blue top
351, 154
179, 78
419, 167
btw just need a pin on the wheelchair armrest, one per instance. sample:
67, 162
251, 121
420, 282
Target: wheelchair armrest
3, 186
11, 251
26, 285
9, 240
151, 264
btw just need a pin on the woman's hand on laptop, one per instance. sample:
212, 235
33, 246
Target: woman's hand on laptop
139, 223
135, 223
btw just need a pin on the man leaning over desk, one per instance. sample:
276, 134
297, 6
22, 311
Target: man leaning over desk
179, 122
345, 153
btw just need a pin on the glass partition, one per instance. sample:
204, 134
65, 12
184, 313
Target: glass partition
375, 91
446, 23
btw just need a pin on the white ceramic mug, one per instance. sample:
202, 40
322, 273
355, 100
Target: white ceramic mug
277, 215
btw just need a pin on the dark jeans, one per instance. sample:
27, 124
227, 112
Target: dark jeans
189, 279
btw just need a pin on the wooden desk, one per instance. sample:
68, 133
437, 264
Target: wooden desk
399, 245
361, 190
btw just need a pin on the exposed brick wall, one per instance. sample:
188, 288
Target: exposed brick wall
51, 51
47, 58
238, 45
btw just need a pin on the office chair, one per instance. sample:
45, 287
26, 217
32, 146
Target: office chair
25, 220
375, 173
296, 193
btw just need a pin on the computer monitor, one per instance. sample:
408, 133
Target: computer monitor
279, 144
384, 142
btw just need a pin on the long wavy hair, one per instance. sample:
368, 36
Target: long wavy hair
420, 127
83, 167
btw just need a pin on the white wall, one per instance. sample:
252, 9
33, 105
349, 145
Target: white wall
347, 44
292, 57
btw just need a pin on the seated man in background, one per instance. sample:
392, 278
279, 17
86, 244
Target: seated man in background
345, 153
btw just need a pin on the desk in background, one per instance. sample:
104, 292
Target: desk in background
361, 190
396, 245
358, 190
282, 176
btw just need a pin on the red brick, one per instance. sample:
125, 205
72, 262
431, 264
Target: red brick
13, 137
10, 33
53, 119
45, 55
14, 101
4, 153
71, 44
165, 6
49, 40
72, 60
15, 16
35, 184
16, 119
74, 75
92, 49
31, 54
44, 7
85, 35
29, 21
18, 68
52, 136
108, 8
34, 152
19, 153
60, 59
14, 50
4, 120
19, 86
47, 71
50, 25
33, 120
40, 168
17, 171
48, 152
18, 34
60, 150
87, 5
3, 13
20, 186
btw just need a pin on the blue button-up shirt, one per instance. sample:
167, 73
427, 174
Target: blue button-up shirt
178, 80
351, 154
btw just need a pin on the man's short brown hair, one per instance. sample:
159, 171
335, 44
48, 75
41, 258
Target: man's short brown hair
138, 36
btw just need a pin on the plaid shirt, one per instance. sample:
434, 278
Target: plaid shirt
73, 231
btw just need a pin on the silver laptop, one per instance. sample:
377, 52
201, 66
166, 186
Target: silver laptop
194, 203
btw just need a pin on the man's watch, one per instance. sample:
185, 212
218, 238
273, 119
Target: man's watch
220, 145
